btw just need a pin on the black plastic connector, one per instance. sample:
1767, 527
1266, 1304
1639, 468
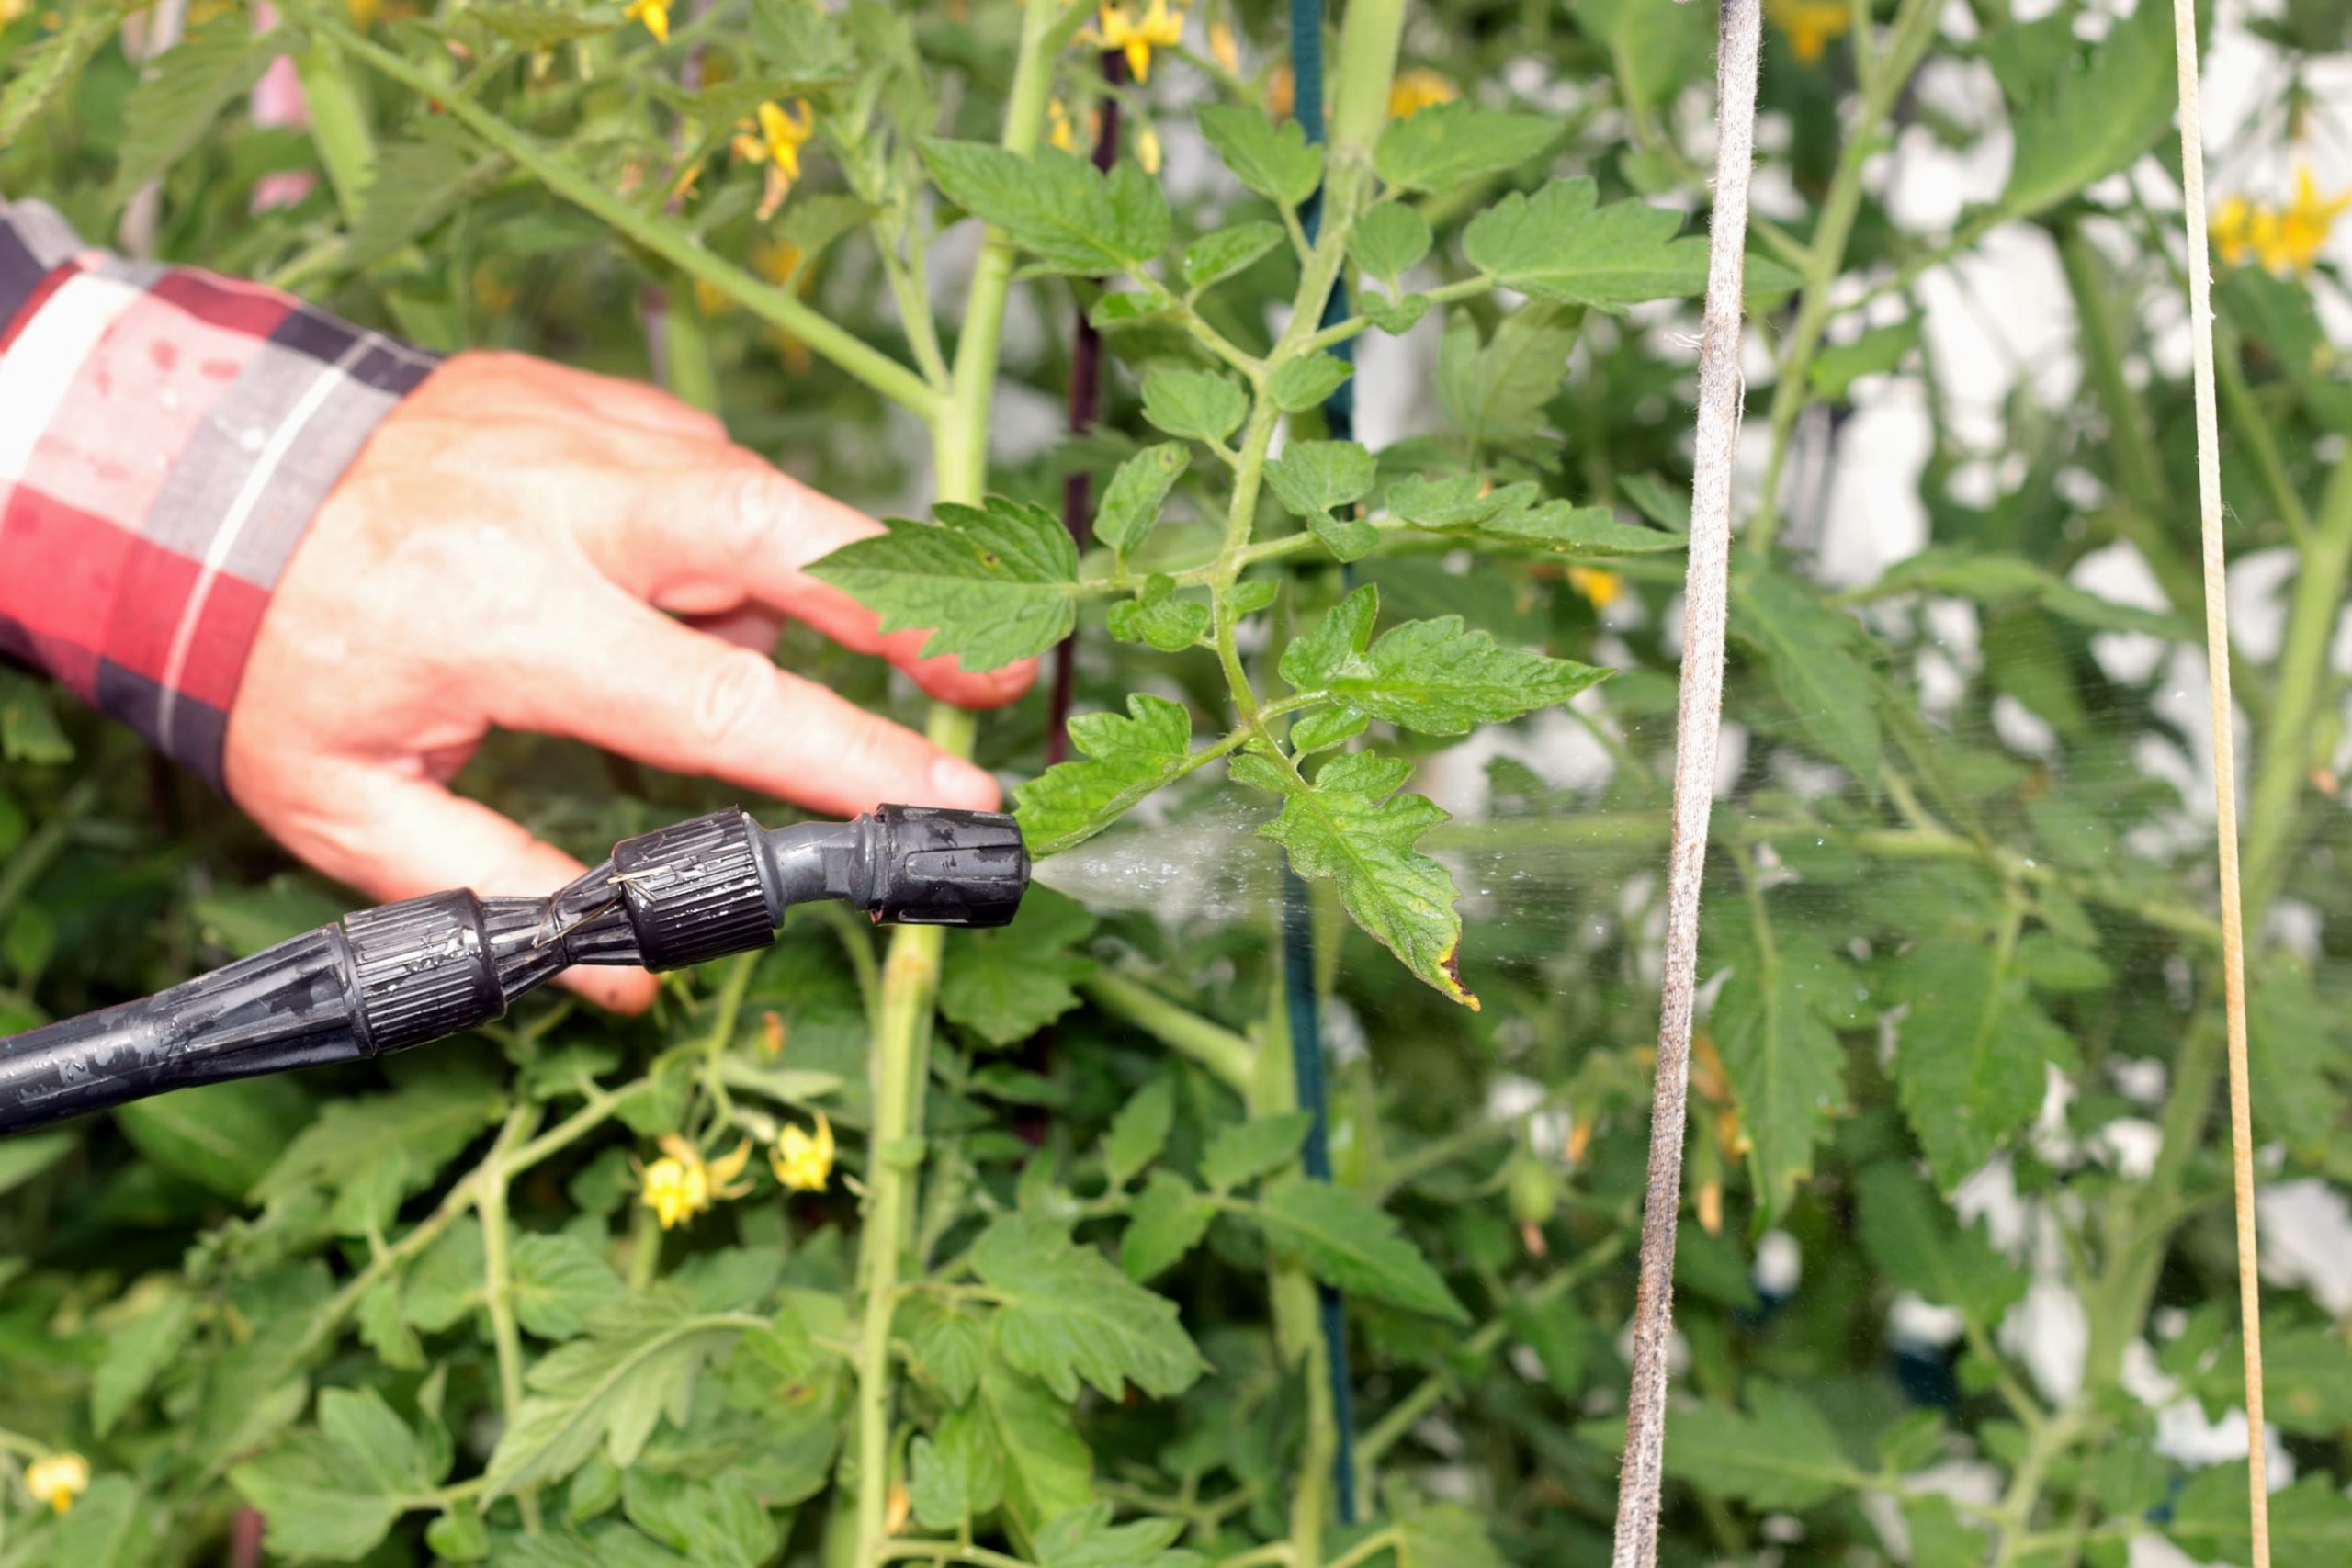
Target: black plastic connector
402, 975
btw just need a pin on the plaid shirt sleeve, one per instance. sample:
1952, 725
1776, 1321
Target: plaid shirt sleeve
165, 435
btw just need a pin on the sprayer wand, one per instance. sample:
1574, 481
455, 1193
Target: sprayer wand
404, 975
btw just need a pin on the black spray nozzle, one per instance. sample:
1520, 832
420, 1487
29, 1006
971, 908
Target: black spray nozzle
401, 975
916, 865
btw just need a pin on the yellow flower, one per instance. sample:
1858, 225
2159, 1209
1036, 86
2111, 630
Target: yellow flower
1147, 150
1281, 92
803, 1161
58, 1479
1158, 28
681, 1185
2301, 229
1600, 588
778, 137
1416, 89
1058, 127
654, 14
2234, 227
1223, 48
1811, 24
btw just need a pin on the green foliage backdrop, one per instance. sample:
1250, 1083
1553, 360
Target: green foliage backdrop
829, 1261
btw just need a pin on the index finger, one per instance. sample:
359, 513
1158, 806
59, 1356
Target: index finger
732, 523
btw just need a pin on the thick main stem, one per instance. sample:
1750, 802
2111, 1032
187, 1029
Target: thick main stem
1695, 734
901, 1058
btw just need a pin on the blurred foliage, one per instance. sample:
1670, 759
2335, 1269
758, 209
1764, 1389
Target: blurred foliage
1957, 939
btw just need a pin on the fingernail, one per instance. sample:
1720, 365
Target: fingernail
959, 783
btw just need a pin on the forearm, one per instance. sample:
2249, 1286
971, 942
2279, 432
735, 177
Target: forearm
165, 436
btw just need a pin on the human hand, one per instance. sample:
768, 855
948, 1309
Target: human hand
501, 555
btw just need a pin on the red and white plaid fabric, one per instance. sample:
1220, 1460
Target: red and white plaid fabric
165, 435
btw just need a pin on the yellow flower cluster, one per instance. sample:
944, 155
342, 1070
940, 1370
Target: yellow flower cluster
1415, 89
682, 1184
1136, 37
58, 1479
2282, 239
1811, 24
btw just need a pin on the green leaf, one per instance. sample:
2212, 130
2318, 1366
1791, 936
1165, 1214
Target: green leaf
1446, 146
222, 1136
2004, 578
1047, 1467
1006, 985
1787, 1070
1444, 1535
1939, 1537
720, 1522
246, 919
444, 1283
1167, 1221
27, 1154
113, 1525
1352, 827
1560, 244
1809, 650
1389, 240
1563, 529
1915, 1240
1780, 1455
416, 185
1345, 1242
1085, 1537
459, 1536
802, 42
539, 26
2090, 121
1348, 538
2310, 1522
1138, 1132
558, 1280
1666, 506
991, 583
40, 70
1243, 1151
610, 1388
1126, 760
1199, 405
136, 1353
949, 1346
29, 727
1397, 316
1303, 384
1157, 618
1970, 1054
1433, 676
1877, 351
1311, 477
373, 1151
1057, 206
2306, 1379
1133, 500
938, 1485
184, 90
336, 1493
1496, 391
1218, 255
1275, 160
2295, 1068
1068, 1314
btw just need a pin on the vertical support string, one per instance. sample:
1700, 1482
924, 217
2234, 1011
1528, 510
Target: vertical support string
1698, 719
2226, 785
1302, 1002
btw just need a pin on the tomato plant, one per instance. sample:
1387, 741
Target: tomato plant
995, 1249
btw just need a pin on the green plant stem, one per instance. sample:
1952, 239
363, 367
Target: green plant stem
2252, 427
945, 1552
1913, 30
1391, 1539
1230, 1057
2274, 824
2146, 499
338, 125
685, 350
498, 1279
671, 241
901, 1065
